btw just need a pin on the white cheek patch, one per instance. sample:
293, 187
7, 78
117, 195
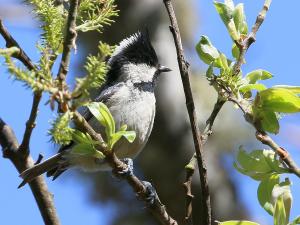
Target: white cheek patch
137, 73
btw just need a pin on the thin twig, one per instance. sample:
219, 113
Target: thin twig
190, 167
157, 208
69, 43
184, 72
30, 124
38, 186
245, 43
11, 42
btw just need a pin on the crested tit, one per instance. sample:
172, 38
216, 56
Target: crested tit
129, 94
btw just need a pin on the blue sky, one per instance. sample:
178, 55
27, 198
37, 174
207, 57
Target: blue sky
276, 50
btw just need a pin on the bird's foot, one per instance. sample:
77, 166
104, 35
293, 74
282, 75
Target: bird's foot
151, 195
128, 171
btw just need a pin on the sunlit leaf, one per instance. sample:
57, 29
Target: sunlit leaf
278, 100
264, 192
250, 87
268, 120
103, 115
282, 192
235, 51
279, 213
129, 135
257, 75
206, 51
226, 14
240, 19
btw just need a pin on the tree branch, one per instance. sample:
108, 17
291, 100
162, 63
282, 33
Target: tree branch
30, 124
38, 186
264, 138
184, 72
138, 186
11, 42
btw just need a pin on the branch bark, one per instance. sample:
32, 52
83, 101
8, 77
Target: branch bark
69, 43
184, 72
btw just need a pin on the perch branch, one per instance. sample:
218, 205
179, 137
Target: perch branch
157, 208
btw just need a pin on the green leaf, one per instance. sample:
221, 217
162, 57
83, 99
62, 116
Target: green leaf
268, 120
206, 51
257, 75
237, 222
258, 164
210, 71
280, 214
85, 145
278, 100
235, 51
264, 192
240, 19
295, 221
226, 14
103, 115
250, 87
129, 135
282, 192
294, 89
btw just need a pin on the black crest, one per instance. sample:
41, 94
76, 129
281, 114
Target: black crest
135, 49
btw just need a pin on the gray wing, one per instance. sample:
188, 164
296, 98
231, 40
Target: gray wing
105, 94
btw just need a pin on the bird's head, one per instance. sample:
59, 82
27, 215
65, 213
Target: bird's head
135, 60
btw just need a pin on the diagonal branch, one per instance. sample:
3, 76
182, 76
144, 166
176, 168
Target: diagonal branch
38, 187
11, 42
263, 137
184, 72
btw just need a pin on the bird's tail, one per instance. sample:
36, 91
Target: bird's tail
38, 169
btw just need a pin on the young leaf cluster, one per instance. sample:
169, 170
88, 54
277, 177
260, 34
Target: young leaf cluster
103, 115
61, 132
94, 14
53, 19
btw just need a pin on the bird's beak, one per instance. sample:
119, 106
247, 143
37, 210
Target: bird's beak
162, 69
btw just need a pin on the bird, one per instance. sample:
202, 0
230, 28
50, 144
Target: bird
128, 92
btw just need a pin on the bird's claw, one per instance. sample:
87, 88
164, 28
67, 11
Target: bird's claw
151, 194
